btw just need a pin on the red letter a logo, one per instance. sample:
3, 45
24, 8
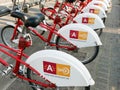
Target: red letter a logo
49, 67
74, 34
84, 20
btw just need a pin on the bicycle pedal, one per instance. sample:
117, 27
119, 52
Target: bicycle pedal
7, 70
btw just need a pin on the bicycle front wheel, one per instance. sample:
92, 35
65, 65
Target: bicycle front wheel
85, 55
6, 35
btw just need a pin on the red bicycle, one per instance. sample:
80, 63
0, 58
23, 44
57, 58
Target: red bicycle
72, 13
39, 68
76, 39
62, 9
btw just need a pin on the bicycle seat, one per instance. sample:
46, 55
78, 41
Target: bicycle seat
29, 20
4, 11
19, 15
34, 21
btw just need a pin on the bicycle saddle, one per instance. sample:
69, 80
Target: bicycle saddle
18, 15
4, 11
34, 21
29, 20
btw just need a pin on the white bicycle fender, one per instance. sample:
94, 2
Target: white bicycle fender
60, 68
96, 10
105, 1
12, 24
99, 3
90, 19
80, 35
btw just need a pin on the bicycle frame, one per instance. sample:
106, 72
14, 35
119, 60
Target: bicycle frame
70, 16
61, 7
75, 64
20, 62
65, 59
52, 31
18, 24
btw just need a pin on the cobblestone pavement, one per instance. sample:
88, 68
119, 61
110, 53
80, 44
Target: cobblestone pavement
105, 69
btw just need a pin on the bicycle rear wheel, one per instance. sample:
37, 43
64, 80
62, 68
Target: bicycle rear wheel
7, 33
85, 55
99, 31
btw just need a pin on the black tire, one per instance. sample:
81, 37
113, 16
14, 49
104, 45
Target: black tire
85, 55
6, 34
29, 73
99, 31
32, 75
48, 13
104, 20
87, 88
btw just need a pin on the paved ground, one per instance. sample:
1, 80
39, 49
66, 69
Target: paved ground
105, 69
